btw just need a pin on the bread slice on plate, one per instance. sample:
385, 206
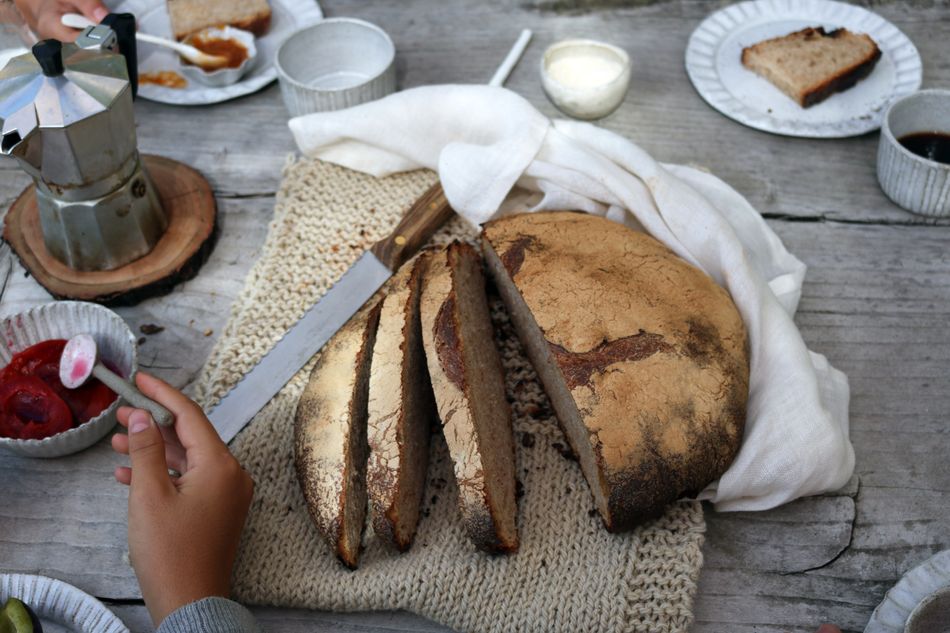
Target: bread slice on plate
812, 64
189, 16
468, 380
643, 356
401, 411
330, 448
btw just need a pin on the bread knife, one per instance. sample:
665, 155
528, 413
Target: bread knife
321, 321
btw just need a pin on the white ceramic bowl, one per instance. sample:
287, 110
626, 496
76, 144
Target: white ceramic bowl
335, 63
915, 183
60, 606
222, 76
570, 77
64, 319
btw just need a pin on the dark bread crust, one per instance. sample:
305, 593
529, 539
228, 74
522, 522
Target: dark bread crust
258, 25
311, 407
662, 392
842, 81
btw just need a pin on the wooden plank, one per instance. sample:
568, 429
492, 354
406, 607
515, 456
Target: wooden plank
875, 302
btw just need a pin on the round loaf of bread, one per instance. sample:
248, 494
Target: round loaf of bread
643, 356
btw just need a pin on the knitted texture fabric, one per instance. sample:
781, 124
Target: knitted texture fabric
569, 574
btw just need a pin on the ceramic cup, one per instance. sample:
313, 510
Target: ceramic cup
335, 63
932, 614
915, 183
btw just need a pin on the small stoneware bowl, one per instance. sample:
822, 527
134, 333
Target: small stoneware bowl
932, 614
221, 76
585, 79
335, 63
915, 183
63, 320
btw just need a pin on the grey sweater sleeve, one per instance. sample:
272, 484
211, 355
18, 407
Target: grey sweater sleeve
210, 615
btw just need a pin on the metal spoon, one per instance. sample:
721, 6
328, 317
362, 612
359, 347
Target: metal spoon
192, 54
80, 361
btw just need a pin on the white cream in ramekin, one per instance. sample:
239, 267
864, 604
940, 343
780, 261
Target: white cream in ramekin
585, 79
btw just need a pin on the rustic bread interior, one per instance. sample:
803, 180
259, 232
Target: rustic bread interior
812, 64
468, 380
401, 411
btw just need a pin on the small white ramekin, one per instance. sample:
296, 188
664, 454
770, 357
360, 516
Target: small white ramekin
588, 102
65, 319
915, 183
333, 64
222, 76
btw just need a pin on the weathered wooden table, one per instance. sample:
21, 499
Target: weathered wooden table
876, 302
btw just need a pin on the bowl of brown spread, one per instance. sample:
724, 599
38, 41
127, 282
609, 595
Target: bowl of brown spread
234, 46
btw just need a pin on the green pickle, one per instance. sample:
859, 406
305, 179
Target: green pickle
17, 617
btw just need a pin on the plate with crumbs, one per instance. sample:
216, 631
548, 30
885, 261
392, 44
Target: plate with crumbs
162, 65
714, 66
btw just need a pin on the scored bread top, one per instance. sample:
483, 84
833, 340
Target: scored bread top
652, 350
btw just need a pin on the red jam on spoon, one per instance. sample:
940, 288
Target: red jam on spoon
34, 404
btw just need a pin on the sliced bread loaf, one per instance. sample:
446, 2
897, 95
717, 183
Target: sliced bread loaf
812, 64
643, 356
401, 411
330, 446
469, 385
188, 16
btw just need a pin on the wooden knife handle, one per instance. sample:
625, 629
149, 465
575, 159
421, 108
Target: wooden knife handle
415, 228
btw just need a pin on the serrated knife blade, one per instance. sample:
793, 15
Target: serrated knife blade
298, 345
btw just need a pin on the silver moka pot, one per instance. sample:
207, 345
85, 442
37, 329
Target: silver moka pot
67, 117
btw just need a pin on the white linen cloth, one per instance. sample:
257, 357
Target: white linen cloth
483, 141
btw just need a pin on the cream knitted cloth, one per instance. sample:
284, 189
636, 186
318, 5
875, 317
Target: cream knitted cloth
569, 575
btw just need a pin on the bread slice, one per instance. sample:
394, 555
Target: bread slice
643, 357
330, 448
812, 64
188, 16
468, 380
401, 411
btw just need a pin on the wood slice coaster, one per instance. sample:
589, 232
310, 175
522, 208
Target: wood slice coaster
189, 203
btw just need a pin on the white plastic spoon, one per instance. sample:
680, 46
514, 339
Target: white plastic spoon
192, 54
80, 361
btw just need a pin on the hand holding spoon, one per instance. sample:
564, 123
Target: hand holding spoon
80, 361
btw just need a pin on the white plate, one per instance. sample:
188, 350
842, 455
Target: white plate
61, 607
921, 581
287, 16
714, 66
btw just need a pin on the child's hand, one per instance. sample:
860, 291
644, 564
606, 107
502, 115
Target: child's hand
183, 531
